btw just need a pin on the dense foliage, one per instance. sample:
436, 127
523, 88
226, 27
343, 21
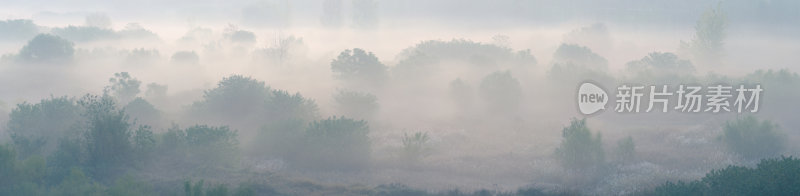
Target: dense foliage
752, 138
46, 48
580, 149
775, 176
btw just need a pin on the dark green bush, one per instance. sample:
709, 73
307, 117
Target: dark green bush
200, 145
36, 128
775, 176
242, 102
579, 149
752, 138
415, 146
335, 143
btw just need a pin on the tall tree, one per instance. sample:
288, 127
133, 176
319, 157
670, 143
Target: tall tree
707, 44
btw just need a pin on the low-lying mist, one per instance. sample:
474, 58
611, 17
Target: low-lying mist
363, 97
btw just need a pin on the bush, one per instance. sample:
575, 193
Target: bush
35, 128
243, 99
200, 146
68, 156
415, 146
753, 139
580, 150
20, 177
129, 186
335, 143
77, 183
776, 176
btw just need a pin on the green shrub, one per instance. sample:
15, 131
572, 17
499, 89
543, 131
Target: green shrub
753, 139
776, 176
200, 145
69, 154
579, 149
241, 101
335, 143
415, 146
77, 183
36, 128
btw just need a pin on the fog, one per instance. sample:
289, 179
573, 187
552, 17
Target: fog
366, 97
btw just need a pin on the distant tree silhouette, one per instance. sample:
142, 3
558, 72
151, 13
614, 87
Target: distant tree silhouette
579, 55
707, 44
359, 67
123, 87
18, 29
46, 48
85, 33
660, 67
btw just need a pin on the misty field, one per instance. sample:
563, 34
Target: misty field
367, 97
